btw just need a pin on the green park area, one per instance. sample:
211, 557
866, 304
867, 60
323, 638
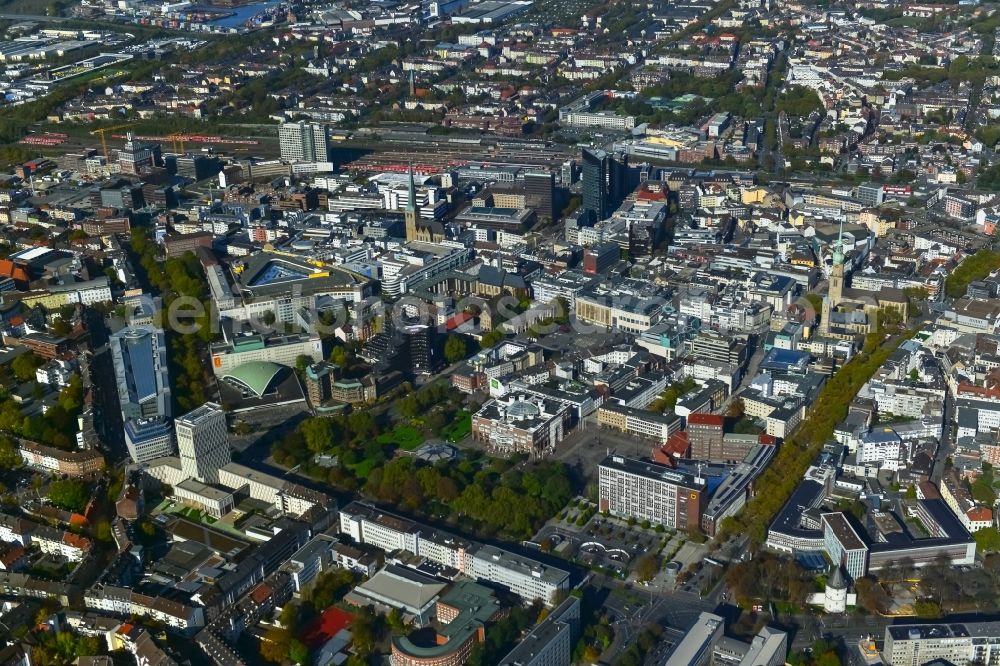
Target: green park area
459, 428
362, 468
403, 436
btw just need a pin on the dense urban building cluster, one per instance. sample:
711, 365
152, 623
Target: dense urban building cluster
521, 332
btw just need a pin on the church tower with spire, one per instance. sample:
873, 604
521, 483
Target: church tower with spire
837, 272
835, 293
412, 213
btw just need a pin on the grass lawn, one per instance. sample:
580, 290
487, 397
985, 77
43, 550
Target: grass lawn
459, 427
405, 437
363, 468
195, 515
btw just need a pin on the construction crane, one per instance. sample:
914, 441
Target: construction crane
104, 140
177, 138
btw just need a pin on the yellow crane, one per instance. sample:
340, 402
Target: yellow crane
104, 140
177, 138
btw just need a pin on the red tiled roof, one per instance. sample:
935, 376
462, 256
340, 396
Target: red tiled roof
649, 195
676, 446
457, 320
261, 593
702, 418
979, 513
75, 540
9, 269
978, 390
326, 626
929, 490
13, 554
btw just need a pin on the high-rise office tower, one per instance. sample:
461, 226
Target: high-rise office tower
835, 291
539, 190
203, 443
304, 142
136, 156
620, 178
139, 356
568, 174
420, 342
596, 196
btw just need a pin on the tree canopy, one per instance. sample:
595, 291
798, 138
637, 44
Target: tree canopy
798, 101
974, 267
803, 445
455, 348
69, 494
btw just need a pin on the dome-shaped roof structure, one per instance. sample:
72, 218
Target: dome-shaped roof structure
523, 408
436, 451
255, 377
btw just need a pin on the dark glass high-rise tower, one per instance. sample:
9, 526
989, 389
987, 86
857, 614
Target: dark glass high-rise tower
596, 192
539, 190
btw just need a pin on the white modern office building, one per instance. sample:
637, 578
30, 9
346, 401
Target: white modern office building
525, 577
956, 643
202, 442
304, 142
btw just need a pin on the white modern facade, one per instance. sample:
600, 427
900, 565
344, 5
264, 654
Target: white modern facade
525, 577
202, 442
959, 644
304, 142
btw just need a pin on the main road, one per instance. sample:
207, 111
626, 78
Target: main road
107, 408
945, 445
